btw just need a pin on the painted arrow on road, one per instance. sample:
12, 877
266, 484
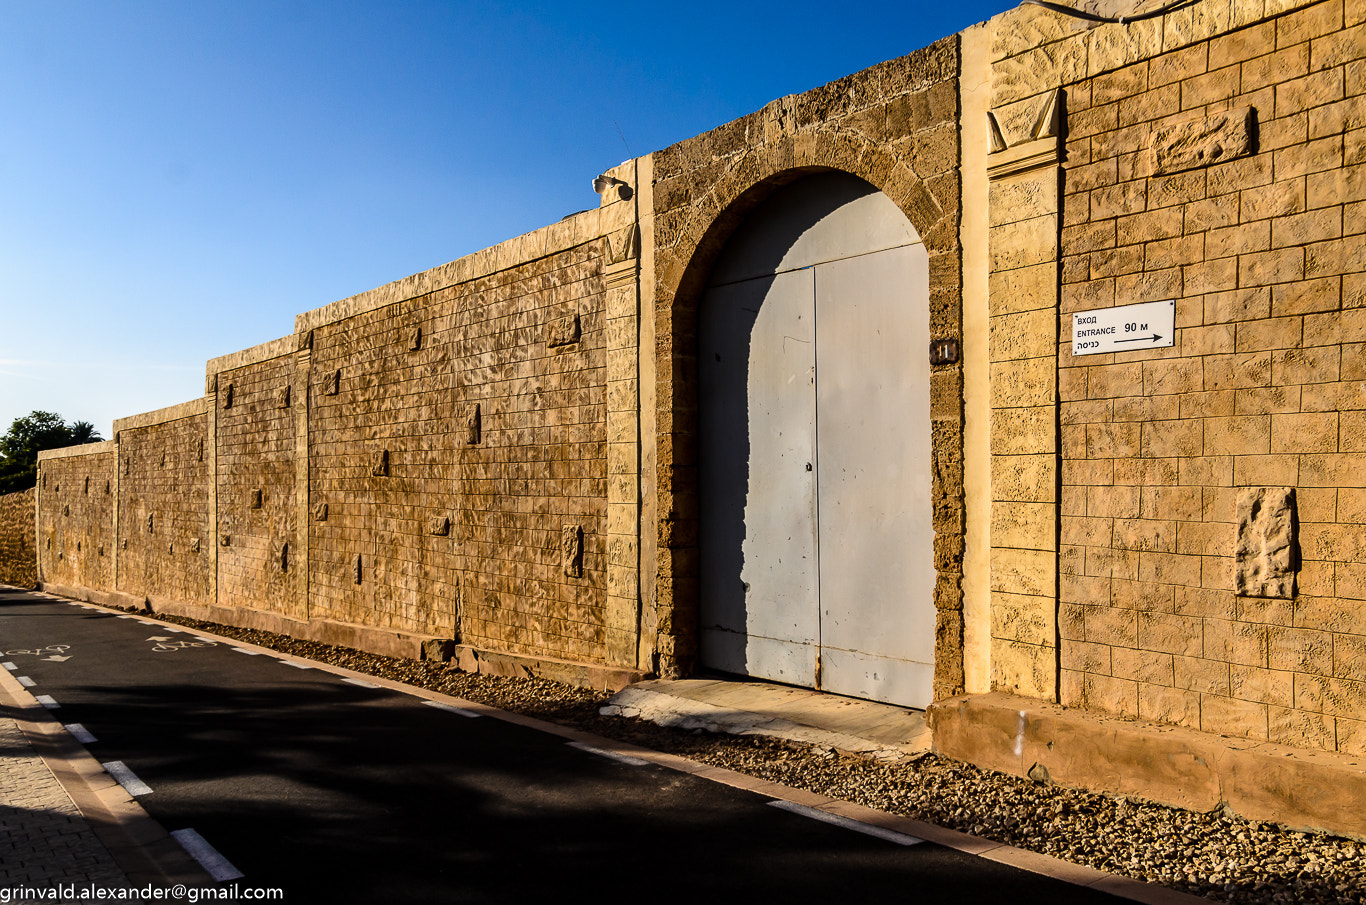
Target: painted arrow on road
57, 659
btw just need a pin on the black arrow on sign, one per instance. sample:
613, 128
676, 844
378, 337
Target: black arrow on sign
1139, 339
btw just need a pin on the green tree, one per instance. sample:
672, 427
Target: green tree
31, 433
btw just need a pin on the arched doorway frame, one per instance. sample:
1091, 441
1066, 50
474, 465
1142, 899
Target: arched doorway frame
688, 247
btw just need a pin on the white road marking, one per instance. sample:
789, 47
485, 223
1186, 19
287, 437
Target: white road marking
125, 616
613, 755
26, 681
46, 701
249, 653
167, 628
80, 733
361, 682
10, 666
147, 622
219, 868
206, 640
856, 826
296, 665
451, 708
126, 778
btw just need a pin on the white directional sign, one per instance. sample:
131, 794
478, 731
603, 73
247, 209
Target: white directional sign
1128, 328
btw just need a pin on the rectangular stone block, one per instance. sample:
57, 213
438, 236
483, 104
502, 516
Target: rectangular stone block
1265, 542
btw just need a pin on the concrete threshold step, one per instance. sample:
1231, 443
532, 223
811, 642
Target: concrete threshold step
761, 708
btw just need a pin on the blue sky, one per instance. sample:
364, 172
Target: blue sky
178, 180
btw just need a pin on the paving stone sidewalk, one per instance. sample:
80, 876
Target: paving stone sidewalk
44, 840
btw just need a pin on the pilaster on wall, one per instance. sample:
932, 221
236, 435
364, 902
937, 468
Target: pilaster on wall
303, 532
211, 452
621, 282
1023, 170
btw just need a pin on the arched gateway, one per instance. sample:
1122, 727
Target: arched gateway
816, 538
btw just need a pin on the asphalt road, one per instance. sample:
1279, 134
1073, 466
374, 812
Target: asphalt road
339, 793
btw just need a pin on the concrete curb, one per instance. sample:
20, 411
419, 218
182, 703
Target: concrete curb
139, 844
1045, 865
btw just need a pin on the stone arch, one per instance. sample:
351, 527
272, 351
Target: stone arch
721, 189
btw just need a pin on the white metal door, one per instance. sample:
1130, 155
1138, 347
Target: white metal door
816, 538
757, 476
876, 584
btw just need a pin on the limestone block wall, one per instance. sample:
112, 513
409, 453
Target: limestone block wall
456, 441
382, 445
530, 368
18, 543
76, 520
164, 531
894, 125
1216, 161
254, 545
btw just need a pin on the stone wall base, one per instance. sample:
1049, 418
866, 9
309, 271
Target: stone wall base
386, 642
582, 675
1304, 790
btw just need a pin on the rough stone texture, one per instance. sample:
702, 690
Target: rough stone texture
1265, 555
255, 487
76, 524
1203, 142
483, 431
163, 506
893, 125
18, 541
1263, 388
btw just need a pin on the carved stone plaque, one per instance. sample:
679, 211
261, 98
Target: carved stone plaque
1201, 142
472, 425
563, 332
439, 526
332, 384
320, 512
256, 500
1266, 556
379, 468
282, 397
571, 550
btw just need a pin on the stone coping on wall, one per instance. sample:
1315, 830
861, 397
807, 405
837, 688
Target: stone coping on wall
1303, 789
189, 409
276, 348
85, 449
572, 231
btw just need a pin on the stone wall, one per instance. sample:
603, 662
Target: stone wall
455, 438
1227, 175
76, 519
165, 535
895, 126
18, 546
255, 538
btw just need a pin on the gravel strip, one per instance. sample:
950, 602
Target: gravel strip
1215, 855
